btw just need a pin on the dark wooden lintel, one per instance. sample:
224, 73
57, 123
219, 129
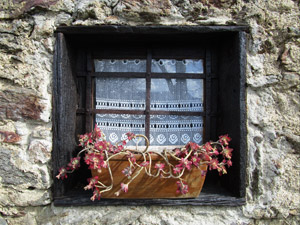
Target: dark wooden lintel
113, 29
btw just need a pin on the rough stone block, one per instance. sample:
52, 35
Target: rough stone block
15, 170
42, 133
16, 105
16, 8
9, 137
151, 11
40, 151
290, 57
11, 197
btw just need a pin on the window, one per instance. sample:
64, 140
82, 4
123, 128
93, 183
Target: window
159, 97
173, 84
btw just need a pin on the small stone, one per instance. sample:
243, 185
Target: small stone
63, 19
15, 105
15, 9
294, 31
40, 151
2, 221
262, 81
92, 9
290, 57
44, 27
258, 139
151, 12
294, 212
24, 197
9, 137
12, 175
41, 132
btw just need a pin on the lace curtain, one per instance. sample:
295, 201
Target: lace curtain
166, 95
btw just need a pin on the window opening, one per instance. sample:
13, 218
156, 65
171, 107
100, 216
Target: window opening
222, 77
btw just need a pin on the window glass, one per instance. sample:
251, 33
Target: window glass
177, 66
121, 65
115, 126
177, 94
120, 93
172, 94
175, 129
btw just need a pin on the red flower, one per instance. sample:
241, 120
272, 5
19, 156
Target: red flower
159, 166
92, 182
213, 164
100, 145
205, 157
195, 160
131, 157
85, 139
184, 152
192, 146
185, 163
115, 149
124, 187
97, 132
62, 173
74, 163
127, 171
182, 187
130, 135
208, 147
229, 163
120, 148
227, 152
95, 161
222, 170
177, 152
96, 194
214, 151
180, 152
224, 139
177, 169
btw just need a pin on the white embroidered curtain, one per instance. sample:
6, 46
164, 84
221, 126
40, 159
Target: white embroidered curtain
166, 95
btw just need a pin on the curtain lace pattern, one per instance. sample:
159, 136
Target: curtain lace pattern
185, 95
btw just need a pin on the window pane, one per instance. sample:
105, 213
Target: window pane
120, 93
177, 66
177, 94
120, 65
175, 130
115, 126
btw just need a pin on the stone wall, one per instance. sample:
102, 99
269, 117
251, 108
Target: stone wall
273, 107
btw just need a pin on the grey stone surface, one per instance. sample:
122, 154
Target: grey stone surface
2, 221
273, 107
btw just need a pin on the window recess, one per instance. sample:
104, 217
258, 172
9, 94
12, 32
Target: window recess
174, 84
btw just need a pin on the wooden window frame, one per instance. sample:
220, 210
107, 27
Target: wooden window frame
224, 76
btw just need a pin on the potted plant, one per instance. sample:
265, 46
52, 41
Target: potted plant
116, 169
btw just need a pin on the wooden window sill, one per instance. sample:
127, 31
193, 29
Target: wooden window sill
209, 196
